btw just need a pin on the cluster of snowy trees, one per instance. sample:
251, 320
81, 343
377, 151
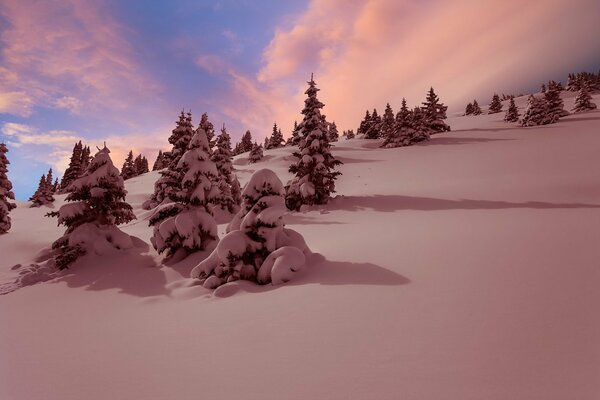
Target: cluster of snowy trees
80, 159
407, 126
133, 167
45, 191
575, 82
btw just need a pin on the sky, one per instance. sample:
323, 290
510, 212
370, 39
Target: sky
121, 71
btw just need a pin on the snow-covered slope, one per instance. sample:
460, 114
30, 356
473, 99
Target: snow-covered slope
462, 268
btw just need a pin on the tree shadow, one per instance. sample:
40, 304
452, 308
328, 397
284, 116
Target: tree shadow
301, 219
391, 203
348, 160
441, 140
581, 119
132, 272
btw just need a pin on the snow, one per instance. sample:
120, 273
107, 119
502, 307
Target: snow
465, 267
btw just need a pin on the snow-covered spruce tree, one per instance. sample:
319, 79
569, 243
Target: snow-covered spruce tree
55, 186
476, 108
6, 193
222, 158
140, 165
495, 105
402, 134
128, 169
276, 140
364, 124
536, 112
349, 134
314, 179
512, 114
388, 123
245, 143
208, 128
170, 179
333, 132
256, 153
469, 109
96, 205
45, 191
435, 113
257, 247
374, 127
85, 159
554, 102
74, 169
583, 101
186, 224
419, 127
159, 163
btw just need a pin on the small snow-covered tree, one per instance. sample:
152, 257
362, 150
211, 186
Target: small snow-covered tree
186, 224
349, 134
170, 180
140, 165
476, 108
128, 169
334, 135
364, 124
257, 247
294, 140
45, 191
419, 125
402, 134
208, 127
74, 169
554, 102
222, 158
245, 144
6, 193
495, 105
374, 126
314, 175
536, 112
435, 113
160, 162
256, 153
276, 139
388, 123
96, 204
469, 109
583, 101
512, 114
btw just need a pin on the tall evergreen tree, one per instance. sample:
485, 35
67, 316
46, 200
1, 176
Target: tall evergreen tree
74, 169
364, 124
256, 154
495, 105
536, 112
374, 126
186, 224
222, 157
169, 182
554, 102
469, 109
245, 143
6, 193
314, 175
334, 135
45, 191
294, 140
388, 123
160, 162
85, 160
435, 113
140, 165
96, 205
583, 101
208, 128
402, 133
276, 139
128, 169
512, 114
476, 108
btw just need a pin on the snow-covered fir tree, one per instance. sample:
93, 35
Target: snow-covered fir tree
334, 135
276, 140
170, 179
374, 126
6, 194
186, 224
469, 109
294, 140
245, 144
256, 153
85, 159
140, 165
402, 133
74, 169
364, 124
583, 101
512, 113
208, 127
349, 134
476, 108
96, 204
435, 113
257, 247
128, 169
419, 125
160, 162
267, 143
222, 157
495, 105
45, 192
555, 105
55, 186
388, 123
536, 112
314, 175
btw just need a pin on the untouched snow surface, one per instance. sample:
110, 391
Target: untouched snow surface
463, 268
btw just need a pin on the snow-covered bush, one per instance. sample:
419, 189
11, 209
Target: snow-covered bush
96, 205
257, 246
186, 224
6, 193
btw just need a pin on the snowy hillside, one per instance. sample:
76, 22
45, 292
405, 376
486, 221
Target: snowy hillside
465, 267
